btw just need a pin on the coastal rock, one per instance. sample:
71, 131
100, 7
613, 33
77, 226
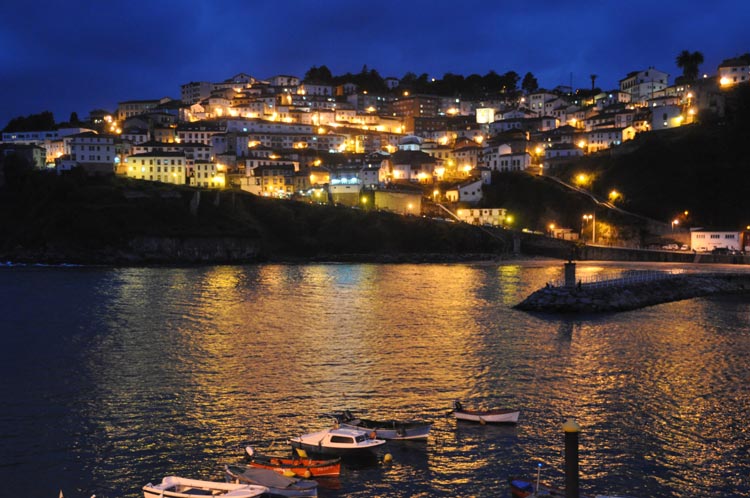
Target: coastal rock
632, 296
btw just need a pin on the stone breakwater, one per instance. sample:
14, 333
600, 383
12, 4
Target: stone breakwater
633, 296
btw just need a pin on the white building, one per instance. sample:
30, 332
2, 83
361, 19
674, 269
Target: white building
484, 216
641, 85
469, 192
604, 138
315, 89
195, 91
284, 80
502, 158
208, 174
703, 240
560, 153
667, 116
734, 71
90, 150
158, 166
538, 100
42, 136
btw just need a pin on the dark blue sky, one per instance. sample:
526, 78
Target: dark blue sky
74, 55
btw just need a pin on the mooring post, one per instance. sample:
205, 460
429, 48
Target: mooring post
570, 274
571, 429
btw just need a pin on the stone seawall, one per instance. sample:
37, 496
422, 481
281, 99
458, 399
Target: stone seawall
633, 296
193, 249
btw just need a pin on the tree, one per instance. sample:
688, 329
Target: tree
593, 81
510, 81
33, 122
689, 63
74, 118
529, 83
319, 74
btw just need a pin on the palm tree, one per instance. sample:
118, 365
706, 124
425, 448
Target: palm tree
689, 63
593, 81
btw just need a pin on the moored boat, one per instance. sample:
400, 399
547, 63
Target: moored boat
389, 429
181, 487
339, 442
525, 488
302, 466
276, 483
496, 416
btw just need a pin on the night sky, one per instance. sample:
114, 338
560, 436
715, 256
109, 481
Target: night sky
71, 55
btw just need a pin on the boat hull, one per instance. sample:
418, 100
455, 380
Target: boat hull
314, 449
180, 487
489, 416
302, 468
400, 432
277, 484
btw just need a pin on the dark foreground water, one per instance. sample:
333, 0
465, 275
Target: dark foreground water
112, 378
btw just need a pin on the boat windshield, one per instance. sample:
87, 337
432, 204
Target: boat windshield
361, 438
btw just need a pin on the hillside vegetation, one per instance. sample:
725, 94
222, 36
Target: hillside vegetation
76, 219
703, 169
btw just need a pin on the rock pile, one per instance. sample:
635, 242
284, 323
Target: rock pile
633, 296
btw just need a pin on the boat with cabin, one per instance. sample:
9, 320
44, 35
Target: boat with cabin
339, 442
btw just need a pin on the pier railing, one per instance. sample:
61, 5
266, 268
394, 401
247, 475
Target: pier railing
618, 279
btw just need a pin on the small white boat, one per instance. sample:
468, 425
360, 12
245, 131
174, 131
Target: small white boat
181, 487
497, 416
338, 442
385, 429
276, 483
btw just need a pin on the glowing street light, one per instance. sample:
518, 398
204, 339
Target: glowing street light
614, 195
592, 219
675, 222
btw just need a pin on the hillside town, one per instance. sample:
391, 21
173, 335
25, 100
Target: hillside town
402, 149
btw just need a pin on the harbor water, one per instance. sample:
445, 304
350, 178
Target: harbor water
113, 378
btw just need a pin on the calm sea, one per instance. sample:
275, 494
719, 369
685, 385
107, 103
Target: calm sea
113, 378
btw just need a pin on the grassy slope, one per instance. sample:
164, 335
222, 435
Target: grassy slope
70, 214
702, 169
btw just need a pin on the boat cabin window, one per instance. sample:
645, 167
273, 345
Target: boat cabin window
361, 438
341, 439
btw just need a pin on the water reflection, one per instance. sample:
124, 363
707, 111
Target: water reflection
171, 371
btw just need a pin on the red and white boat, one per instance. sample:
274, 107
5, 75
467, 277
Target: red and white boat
302, 465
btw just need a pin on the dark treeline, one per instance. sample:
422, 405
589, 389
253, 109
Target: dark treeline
450, 84
42, 121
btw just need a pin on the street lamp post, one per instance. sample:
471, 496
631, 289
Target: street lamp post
675, 222
592, 219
